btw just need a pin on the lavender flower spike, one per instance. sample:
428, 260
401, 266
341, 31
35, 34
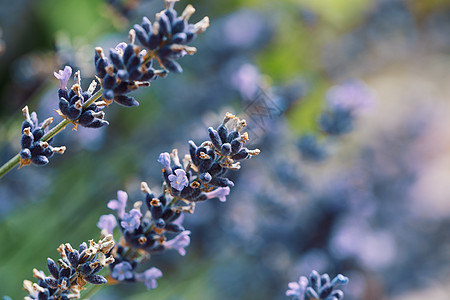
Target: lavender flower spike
179, 180
131, 220
149, 277
164, 159
107, 223
219, 193
119, 204
63, 76
179, 242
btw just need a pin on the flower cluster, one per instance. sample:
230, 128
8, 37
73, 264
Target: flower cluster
71, 102
318, 287
169, 35
74, 269
198, 177
129, 66
33, 149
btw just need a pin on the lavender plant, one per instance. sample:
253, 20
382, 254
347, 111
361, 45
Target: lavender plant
199, 176
128, 67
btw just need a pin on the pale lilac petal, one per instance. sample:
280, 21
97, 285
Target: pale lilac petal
149, 277
63, 76
122, 271
220, 193
179, 180
293, 285
179, 220
107, 223
119, 204
131, 220
179, 242
164, 159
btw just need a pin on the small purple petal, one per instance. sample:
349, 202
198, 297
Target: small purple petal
149, 277
164, 159
107, 223
131, 220
179, 220
119, 204
179, 242
220, 193
63, 76
179, 180
122, 271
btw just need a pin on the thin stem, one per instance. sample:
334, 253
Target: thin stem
8, 166
91, 291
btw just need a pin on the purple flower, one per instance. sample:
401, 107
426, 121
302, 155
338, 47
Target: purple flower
353, 95
179, 180
119, 204
149, 277
164, 159
179, 242
298, 289
122, 271
63, 76
131, 220
246, 80
219, 193
107, 223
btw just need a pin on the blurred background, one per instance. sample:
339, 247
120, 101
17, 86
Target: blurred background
372, 204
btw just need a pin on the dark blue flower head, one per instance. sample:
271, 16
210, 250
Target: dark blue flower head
73, 271
71, 102
33, 149
168, 37
317, 287
130, 66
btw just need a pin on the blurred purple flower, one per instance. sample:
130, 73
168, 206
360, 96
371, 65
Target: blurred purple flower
353, 95
63, 76
179, 180
246, 80
179, 242
122, 271
119, 204
298, 289
107, 223
131, 220
164, 159
149, 277
220, 193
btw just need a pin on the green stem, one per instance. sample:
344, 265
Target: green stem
91, 291
8, 166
